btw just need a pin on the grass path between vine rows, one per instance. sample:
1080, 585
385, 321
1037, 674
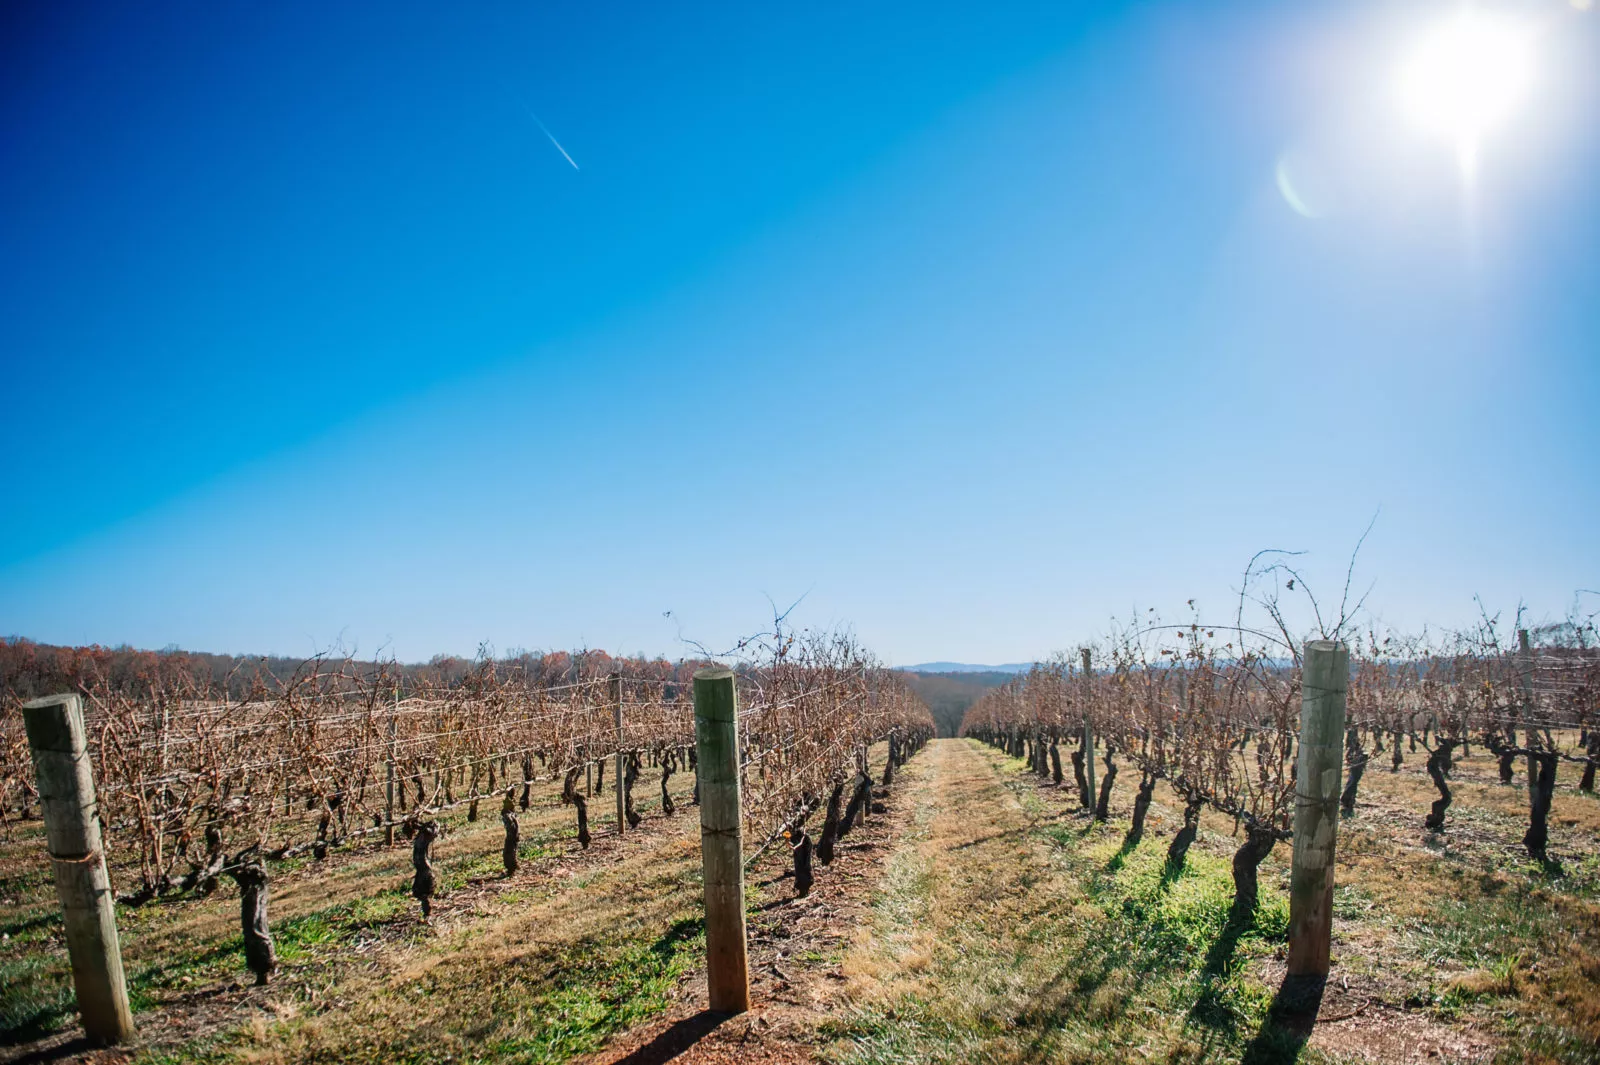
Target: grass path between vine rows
1008, 929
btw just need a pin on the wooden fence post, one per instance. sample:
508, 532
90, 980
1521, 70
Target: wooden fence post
1088, 731
72, 832
716, 731
388, 789
1324, 680
620, 783
1525, 684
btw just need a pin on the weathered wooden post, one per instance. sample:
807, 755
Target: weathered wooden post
388, 790
716, 730
1324, 680
72, 833
1525, 685
620, 783
1088, 730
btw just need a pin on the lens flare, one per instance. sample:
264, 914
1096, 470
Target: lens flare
1468, 76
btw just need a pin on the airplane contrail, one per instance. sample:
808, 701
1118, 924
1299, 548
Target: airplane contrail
553, 140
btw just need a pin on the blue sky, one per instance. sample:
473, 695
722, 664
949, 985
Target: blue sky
974, 325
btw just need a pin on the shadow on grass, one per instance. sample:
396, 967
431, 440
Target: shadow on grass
676, 1040
44, 920
69, 1048
35, 1024
981, 840
1119, 859
1289, 1021
1067, 993
1209, 1009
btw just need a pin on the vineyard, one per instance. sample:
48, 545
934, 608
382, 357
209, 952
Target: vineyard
202, 776
1125, 820
1219, 723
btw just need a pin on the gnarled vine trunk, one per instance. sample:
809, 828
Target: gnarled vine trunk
858, 803
1141, 807
1258, 843
669, 763
508, 818
1541, 789
1438, 764
570, 793
1178, 851
630, 777
1102, 809
422, 881
1084, 798
259, 954
1356, 759
830, 825
1505, 752
801, 845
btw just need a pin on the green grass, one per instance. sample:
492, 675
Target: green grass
1173, 933
597, 999
568, 1005
30, 1004
1068, 947
1476, 931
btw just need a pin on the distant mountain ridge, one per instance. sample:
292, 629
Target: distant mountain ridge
966, 667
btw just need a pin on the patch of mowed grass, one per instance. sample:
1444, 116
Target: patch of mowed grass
605, 996
458, 875
298, 940
1072, 949
522, 1013
34, 1001
213, 1052
1174, 931
1477, 930
1130, 959
36, 996
1530, 972
35, 985
214, 960
915, 1030
1185, 914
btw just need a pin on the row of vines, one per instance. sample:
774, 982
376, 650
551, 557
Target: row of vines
203, 773
1218, 719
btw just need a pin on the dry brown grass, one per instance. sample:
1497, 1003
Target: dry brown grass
331, 918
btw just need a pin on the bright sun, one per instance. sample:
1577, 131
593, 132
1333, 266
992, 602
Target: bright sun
1467, 77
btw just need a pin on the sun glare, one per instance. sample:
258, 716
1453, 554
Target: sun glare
1467, 77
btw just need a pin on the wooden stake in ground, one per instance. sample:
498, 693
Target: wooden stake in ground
388, 790
716, 729
620, 783
1088, 735
72, 832
1325, 679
